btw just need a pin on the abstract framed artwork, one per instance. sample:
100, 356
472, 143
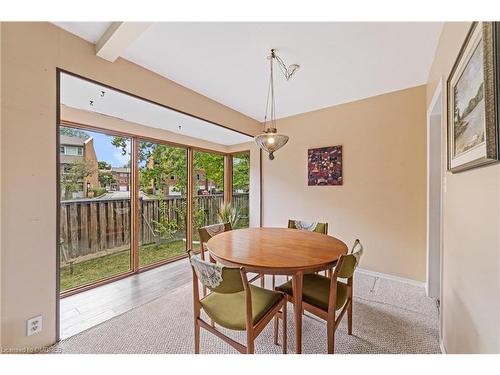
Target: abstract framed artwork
473, 100
324, 166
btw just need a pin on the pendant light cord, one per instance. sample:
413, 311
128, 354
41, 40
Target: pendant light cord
273, 101
270, 95
267, 102
288, 73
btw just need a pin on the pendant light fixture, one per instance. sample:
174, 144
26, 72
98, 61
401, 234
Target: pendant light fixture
271, 141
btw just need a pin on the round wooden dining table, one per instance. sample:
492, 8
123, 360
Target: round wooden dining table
278, 251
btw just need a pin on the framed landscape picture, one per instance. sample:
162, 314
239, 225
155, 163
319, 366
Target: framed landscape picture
472, 101
324, 166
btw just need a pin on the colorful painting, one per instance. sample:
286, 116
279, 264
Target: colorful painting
324, 166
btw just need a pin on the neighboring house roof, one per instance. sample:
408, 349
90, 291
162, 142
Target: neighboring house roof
71, 141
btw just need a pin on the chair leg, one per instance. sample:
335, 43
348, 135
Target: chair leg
330, 331
274, 282
250, 343
276, 325
284, 340
262, 281
196, 336
349, 318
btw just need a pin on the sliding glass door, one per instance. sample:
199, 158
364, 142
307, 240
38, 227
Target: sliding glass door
241, 189
124, 202
95, 212
162, 202
208, 190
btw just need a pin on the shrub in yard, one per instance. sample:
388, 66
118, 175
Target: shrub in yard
98, 191
166, 228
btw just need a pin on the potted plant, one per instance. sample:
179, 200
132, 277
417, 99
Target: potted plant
229, 214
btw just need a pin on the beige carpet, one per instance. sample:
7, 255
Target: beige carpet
389, 317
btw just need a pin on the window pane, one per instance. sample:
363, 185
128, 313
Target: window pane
162, 202
241, 188
94, 220
208, 190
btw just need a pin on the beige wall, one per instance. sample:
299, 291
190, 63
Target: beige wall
31, 52
382, 200
471, 250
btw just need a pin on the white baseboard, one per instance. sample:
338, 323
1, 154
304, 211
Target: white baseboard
441, 346
391, 277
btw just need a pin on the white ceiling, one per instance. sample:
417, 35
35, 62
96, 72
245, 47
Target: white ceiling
340, 62
78, 93
90, 31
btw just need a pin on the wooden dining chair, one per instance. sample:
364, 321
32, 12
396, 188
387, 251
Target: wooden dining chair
207, 232
323, 296
234, 304
305, 225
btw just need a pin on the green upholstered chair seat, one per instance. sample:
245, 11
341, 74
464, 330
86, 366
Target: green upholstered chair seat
229, 310
316, 291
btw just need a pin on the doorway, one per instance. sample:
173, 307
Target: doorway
434, 193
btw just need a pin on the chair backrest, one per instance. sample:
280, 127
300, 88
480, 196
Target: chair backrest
349, 262
211, 230
308, 225
217, 278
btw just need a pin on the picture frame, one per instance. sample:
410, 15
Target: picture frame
324, 166
472, 100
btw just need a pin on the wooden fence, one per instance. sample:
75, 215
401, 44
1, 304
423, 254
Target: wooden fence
89, 226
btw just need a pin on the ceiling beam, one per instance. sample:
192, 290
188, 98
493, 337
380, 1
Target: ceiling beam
118, 37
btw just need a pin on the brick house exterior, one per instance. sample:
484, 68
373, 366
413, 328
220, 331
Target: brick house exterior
122, 179
75, 150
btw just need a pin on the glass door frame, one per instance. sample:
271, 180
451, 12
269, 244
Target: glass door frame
133, 206
134, 188
188, 149
134, 195
228, 166
229, 159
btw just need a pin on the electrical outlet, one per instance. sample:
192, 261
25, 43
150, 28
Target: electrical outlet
34, 325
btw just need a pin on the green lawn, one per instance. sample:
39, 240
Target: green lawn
110, 265
149, 254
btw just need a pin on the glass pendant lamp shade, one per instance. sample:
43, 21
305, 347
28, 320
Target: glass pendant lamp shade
271, 141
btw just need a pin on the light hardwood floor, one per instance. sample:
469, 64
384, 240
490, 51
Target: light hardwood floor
87, 309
